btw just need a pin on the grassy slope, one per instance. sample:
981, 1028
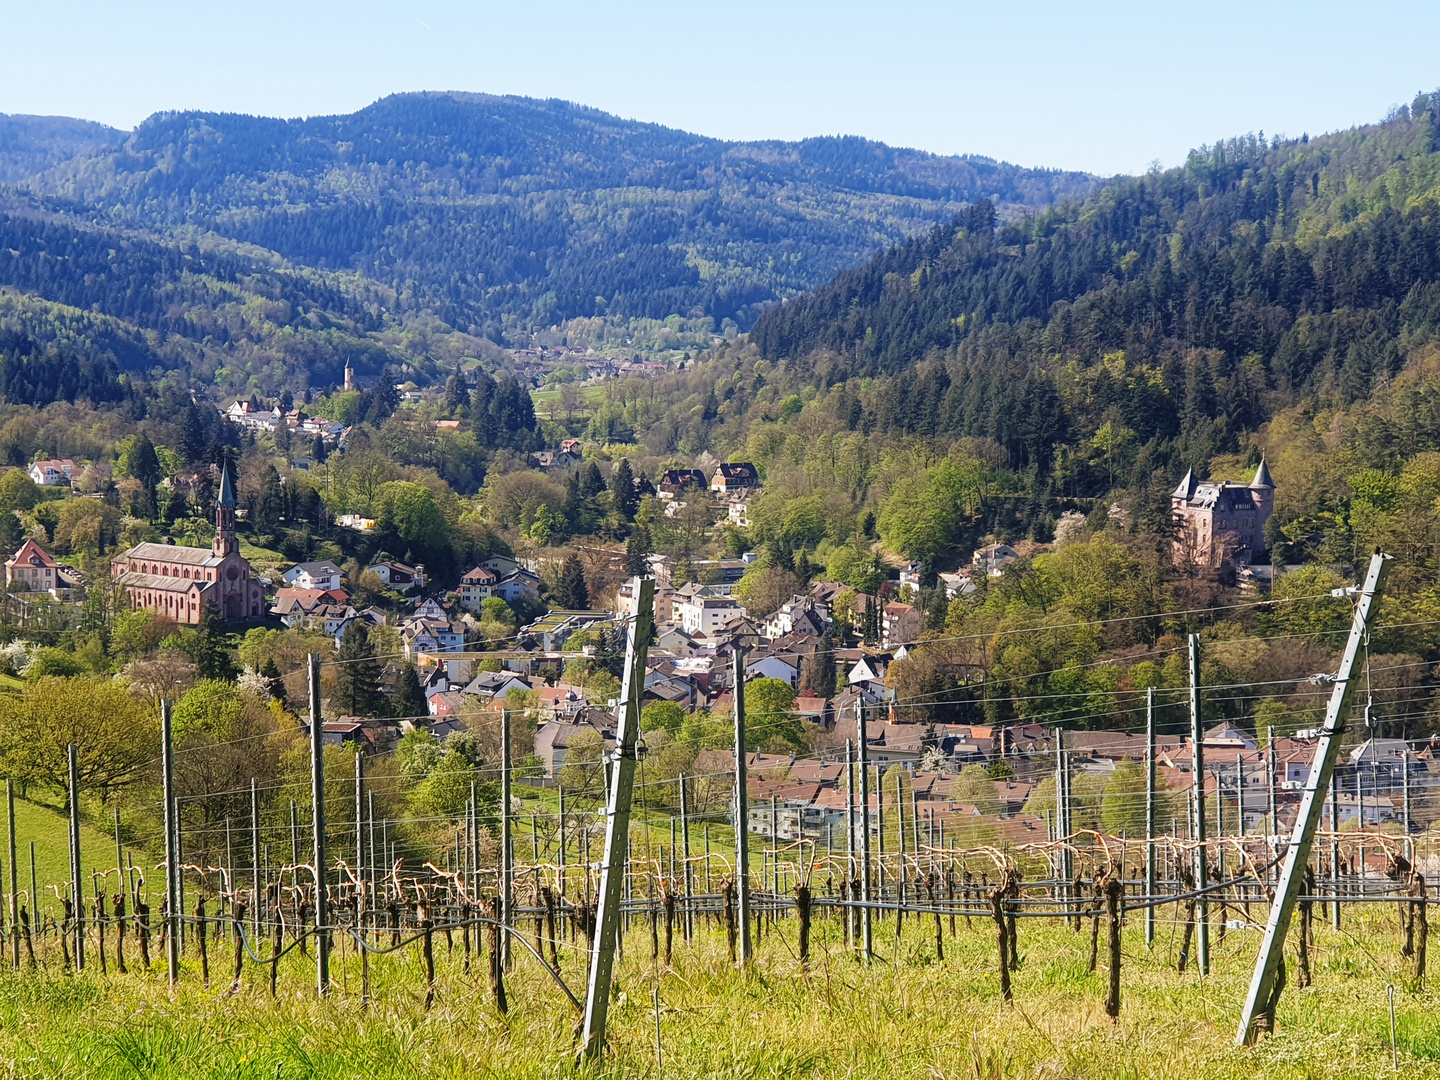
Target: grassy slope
916, 1018
52, 850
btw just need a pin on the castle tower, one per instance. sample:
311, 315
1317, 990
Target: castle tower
349, 377
225, 540
1262, 490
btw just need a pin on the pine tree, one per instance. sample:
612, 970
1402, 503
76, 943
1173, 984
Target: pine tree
820, 672
409, 698
210, 648
622, 490
275, 681
271, 504
571, 593
637, 551
358, 673
591, 482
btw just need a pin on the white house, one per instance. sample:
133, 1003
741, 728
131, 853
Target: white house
53, 472
398, 576
476, 586
773, 667
518, 584
700, 611
314, 575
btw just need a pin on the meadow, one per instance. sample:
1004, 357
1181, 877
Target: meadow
907, 1014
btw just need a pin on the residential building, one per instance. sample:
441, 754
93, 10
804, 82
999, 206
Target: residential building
180, 581
53, 472
734, 478
898, 623
476, 586
518, 585
314, 575
398, 576
993, 558
31, 569
701, 610
675, 481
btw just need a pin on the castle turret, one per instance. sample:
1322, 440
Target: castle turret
1264, 490
349, 377
225, 540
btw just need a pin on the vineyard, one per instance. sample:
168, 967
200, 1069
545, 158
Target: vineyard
894, 947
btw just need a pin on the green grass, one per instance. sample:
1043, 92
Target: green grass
49, 830
592, 394
908, 1015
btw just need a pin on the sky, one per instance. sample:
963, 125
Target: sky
1104, 87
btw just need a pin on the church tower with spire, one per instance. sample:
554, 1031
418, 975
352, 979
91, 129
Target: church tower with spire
225, 540
182, 582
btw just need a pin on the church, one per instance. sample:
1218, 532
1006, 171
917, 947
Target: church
180, 581
1220, 524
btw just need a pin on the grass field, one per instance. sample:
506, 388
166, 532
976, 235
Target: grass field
52, 850
907, 1015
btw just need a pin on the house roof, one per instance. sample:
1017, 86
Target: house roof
324, 566
31, 554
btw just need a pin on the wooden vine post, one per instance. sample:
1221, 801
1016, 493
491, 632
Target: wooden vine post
1265, 985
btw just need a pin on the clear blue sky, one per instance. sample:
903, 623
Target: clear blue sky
1107, 87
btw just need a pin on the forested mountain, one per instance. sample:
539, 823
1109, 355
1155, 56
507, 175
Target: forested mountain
1184, 307
32, 144
502, 214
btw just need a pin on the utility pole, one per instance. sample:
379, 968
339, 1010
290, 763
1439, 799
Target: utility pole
1150, 817
617, 825
317, 799
172, 854
1264, 994
742, 815
1202, 873
685, 870
360, 902
862, 740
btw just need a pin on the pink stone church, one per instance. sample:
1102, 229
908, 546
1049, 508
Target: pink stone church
180, 581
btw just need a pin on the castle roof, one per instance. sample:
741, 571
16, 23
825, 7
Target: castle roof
1262, 477
1187, 487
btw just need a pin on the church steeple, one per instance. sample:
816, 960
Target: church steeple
225, 540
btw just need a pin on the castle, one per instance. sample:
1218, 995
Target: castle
1220, 524
180, 581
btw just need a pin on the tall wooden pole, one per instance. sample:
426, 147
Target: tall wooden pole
1264, 993
507, 840
867, 937
1197, 765
317, 800
15, 876
172, 854
1150, 817
742, 815
617, 824
76, 893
